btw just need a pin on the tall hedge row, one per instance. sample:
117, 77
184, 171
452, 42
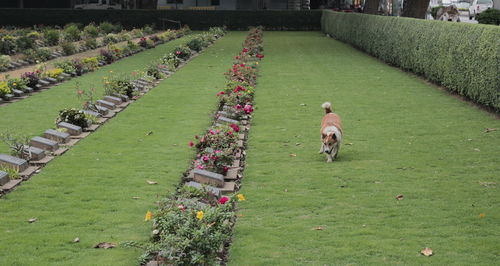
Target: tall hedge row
465, 58
196, 19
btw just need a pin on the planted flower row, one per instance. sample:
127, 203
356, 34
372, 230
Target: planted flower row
194, 225
16, 88
73, 124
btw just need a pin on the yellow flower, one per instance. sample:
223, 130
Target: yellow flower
149, 216
15, 84
240, 197
482, 215
256, 63
111, 71
199, 215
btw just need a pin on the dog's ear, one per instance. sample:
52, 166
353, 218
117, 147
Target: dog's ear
334, 137
323, 135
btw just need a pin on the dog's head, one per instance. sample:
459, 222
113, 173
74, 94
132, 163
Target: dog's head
329, 140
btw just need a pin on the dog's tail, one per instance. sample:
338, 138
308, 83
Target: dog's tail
328, 107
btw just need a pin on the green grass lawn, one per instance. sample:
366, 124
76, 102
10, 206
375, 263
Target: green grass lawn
37, 113
402, 136
88, 192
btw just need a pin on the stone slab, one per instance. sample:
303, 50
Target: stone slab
232, 174
17, 93
241, 136
29, 171
44, 144
8, 97
59, 137
43, 161
110, 114
15, 163
208, 178
123, 105
43, 82
226, 120
212, 190
81, 136
102, 120
52, 80
12, 184
229, 187
72, 142
4, 178
60, 151
36, 153
92, 128
102, 110
73, 130
241, 144
123, 97
113, 99
106, 104
92, 113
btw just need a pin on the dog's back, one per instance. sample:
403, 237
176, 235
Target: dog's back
330, 118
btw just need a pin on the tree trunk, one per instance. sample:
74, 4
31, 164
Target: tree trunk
371, 6
415, 8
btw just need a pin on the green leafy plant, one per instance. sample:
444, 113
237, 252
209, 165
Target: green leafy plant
8, 45
4, 62
68, 47
51, 37
41, 54
66, 65
72, 33
107, 28
91, 43
17, 144
73, 116
13, 174
120, 84
25, 42
489, 16
91, 31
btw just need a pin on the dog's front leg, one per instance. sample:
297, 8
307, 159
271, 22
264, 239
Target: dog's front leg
322, 148
329, 158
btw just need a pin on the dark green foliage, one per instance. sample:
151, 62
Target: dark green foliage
51, 37
490, 16
25, 42
72, 33
196, 19
73, 116
8, 45
462, 57
196, 44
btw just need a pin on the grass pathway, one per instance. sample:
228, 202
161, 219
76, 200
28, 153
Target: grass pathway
88, 192
37, 113
407, 138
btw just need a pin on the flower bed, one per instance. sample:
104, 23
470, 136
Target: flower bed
194, 225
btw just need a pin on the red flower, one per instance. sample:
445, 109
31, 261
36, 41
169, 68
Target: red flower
248, 109
191, 144
177, 52
235, 127
260, 56
230, 133
238, 88
196, 137
238, 107
223, 200
245, 50
220, 93
226, 169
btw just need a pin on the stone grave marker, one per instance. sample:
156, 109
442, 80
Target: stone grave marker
51, 80
102, 110
36, 153
232, 173
44, 144
124, 98
44, 83
229, 187
73, 130
17, 93
28, 90
15, 163
113, 99
212, 190
60, 137
226, 120
92, 113
8, 97
4, 178
106, 104
209, 178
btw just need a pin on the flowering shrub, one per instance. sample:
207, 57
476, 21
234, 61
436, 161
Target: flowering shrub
153, 70
118, 84
87, 64
54, 73
31, 78
16, 84
66, 65
108, 56
182, 52
73, 116
4, 88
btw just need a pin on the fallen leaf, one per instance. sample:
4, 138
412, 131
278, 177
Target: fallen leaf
400, 197
350, 143
303, 104
76, 240
482, 215
488, 184
426, 252
293, 155
476, 149
286, 190
489, 130
297, 144
318, 228
32, 220
105, 245
240, 215
149, 133
151, 182
135, 197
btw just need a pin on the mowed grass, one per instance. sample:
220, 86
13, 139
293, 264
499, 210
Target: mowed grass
37, 113
88, 192
402, 136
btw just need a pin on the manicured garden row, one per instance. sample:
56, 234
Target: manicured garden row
74, 124
98, 190
193, 225
417, 168
16, 88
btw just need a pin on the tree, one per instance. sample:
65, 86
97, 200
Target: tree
371, 6
146, 4
415, 8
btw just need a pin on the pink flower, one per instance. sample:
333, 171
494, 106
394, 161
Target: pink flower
217, 151
218, 131
212, 132
242, 65
220, 93
245, 50
191, 144
238, 89
181, 207
235, 127
238, 107
205, 158
177, 52
230, 133
201, 167
226, 169
223, 200
248, 109
260, 56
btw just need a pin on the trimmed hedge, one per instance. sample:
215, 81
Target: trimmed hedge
465, 58
195, 19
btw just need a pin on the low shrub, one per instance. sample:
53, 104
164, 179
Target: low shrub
196, 44
73, 116
118, 84
16, 84
91, 43
38, 55
25, 42
106, 28
110, 39
54, 73
4, 89
68, 48
72, 33
89, 64
51, 37
490, 16
8, 45
91, 31
182, 52
460, 56
4, 62
66, 65
153, 70
31, 78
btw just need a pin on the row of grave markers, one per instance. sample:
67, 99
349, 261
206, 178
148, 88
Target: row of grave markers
48, 82
55, 143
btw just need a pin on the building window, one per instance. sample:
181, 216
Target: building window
215, 2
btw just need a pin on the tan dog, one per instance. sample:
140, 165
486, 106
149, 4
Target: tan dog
331, 133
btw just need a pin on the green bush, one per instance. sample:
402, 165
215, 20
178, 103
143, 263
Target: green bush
4, 62
73, 116
462, 57
108, 28
68, 48
72, 33
25, 42
38, 54
490, 16
91, 30
51, 37
196, 44
8, 45
91, 43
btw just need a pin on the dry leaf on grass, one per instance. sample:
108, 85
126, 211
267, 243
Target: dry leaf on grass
149, 133
350, 143
105, 245
151, 182
135, 197
482, 215
426, 252
293, 155
489, 130
318, 228
32, 220
76, 240
400, 197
